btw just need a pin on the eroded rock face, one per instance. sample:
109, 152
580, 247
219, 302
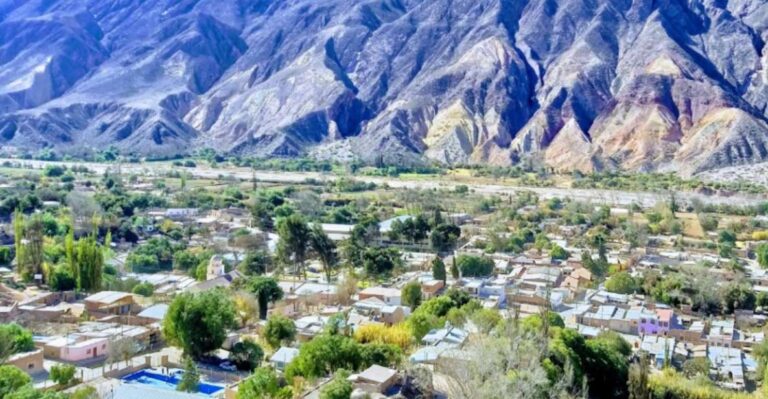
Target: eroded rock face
579, 84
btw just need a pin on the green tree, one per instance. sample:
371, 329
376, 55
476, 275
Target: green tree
325, 249
622, 283
379, 262
558, 252
762, 255
293, 245
62, 374
338, 388
411, 294
262, 384
638, 378
198, 323
475, 266
454, 269
5, 256
14, 339
279, 329
255, 263
144, 289
438, 270
191, 378
89, 260
696, 366
325, 354
444, 237
12, 379
246, 355
61, 279
266, 290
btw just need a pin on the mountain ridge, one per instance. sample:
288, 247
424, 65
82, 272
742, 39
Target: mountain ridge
576, 84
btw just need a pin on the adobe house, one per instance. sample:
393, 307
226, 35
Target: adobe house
107, 303
29, 362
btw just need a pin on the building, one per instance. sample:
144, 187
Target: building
76, 348
30, 362
375, 379
390, 296
215, 268
107, 303
283, 357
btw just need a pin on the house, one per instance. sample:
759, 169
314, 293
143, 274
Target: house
76, 348
224, 281
431, 288
308, 327
215, 268
375, 310
661, 349
390, 296
30, 362
612, 318
448, 336
386, 226
283, 357
721, 333
181, 213
107, 303
728, 364
375, 379
153, 314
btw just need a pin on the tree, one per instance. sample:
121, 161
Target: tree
438, 269
191, 378
638, 378
762, 255
267, 290
61, 279
5, 256
696, 366
28, 236
622, 283
89, 264
325, 354
294, 241
14, 339
255, 263
379, 262
262, 384
325, 249
475, 266
444, 237
454, 269
144, 289
411, 294
338, 388
558, 252
12, 379
62, 374
246, 355
198, 323
279, 329
122, 350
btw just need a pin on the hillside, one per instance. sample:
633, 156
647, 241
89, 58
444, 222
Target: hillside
579, 84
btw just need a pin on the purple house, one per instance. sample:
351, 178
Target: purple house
656, 323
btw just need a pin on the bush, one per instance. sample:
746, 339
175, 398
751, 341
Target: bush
338, 388
144, 289
279, 329
62, 374
246, 355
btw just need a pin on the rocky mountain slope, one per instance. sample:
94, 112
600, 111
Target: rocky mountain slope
579, 84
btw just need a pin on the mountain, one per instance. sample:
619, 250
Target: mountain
578, 84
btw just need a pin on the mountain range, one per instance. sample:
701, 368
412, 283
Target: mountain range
643, 85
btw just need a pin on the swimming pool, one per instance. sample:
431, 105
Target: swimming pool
169, 382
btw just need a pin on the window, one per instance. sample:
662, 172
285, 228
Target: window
31, 366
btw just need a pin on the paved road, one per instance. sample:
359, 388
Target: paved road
610, 197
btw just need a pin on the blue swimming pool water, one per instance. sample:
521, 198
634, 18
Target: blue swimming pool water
169, 382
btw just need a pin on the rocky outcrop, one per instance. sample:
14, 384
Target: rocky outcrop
579, 84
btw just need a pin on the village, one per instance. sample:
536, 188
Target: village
121, 286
